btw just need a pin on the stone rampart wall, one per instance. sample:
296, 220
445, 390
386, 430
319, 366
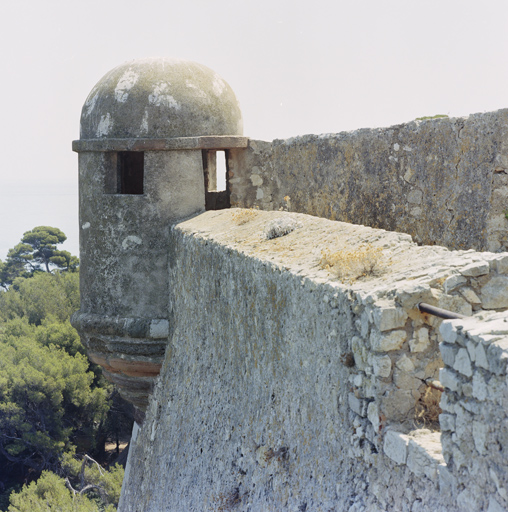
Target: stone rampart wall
474, 422
291, 383
443, 181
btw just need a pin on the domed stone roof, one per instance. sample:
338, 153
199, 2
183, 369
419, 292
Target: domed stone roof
160, 98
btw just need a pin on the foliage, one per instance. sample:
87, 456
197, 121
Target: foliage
59, 334
12, 268
50, 492
46, 396
53, 402
41, 297
85, 487
88, 476
36, 251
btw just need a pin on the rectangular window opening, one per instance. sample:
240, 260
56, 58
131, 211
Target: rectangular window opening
215, 167
130, 172
221, 171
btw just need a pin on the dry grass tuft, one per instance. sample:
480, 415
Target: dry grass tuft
351, 265
243, 216
427, 409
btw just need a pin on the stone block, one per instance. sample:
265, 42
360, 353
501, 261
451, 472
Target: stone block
382, 366
159, 329
424, 454
398, 404
446, 404
449, 379
467, 501
475, 269
463, 363
480, 431
497, 356
480, 388
447, 422
448, 353
481, 357
494, 293
421, 341
501, 265
387, 342
453, 282
405, 364
470, 295
395, 446
405, 380
373, 415
447, 482
448, 330
471, 350
359, 352
494, 506
357, 405
388, 316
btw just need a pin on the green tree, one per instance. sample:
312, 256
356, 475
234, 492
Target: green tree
50, 492
39, 245
86, 488
46, 399
36, 252
12, 268
41, 297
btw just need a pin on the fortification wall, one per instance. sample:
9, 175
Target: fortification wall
289, 386
443, 181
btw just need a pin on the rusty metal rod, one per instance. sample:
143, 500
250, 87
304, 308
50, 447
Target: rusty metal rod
441, 313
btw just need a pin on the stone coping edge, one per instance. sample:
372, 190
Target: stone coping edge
151, 328
420, 450
178, 143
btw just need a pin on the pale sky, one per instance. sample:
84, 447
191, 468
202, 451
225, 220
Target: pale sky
296, 66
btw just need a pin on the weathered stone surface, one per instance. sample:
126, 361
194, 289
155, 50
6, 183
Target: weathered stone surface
160, 98
449, 379
447, 422
387, 342
236, 380
274, 394
405, 364
387, 316
453, 282
463, 363
395, 446
421, 341
494, 294
470, 295
382, 366
424, 453
448, 353
475, 269
444, 173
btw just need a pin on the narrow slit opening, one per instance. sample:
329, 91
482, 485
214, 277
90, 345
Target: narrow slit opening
215, 170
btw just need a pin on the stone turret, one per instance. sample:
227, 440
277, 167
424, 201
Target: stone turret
150, 130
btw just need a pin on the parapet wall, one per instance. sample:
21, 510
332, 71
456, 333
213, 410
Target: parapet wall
474, 422
443, 181
287, 387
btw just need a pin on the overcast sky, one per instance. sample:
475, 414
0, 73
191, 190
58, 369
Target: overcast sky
297, 67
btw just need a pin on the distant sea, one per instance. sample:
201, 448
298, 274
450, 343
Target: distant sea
23, 207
